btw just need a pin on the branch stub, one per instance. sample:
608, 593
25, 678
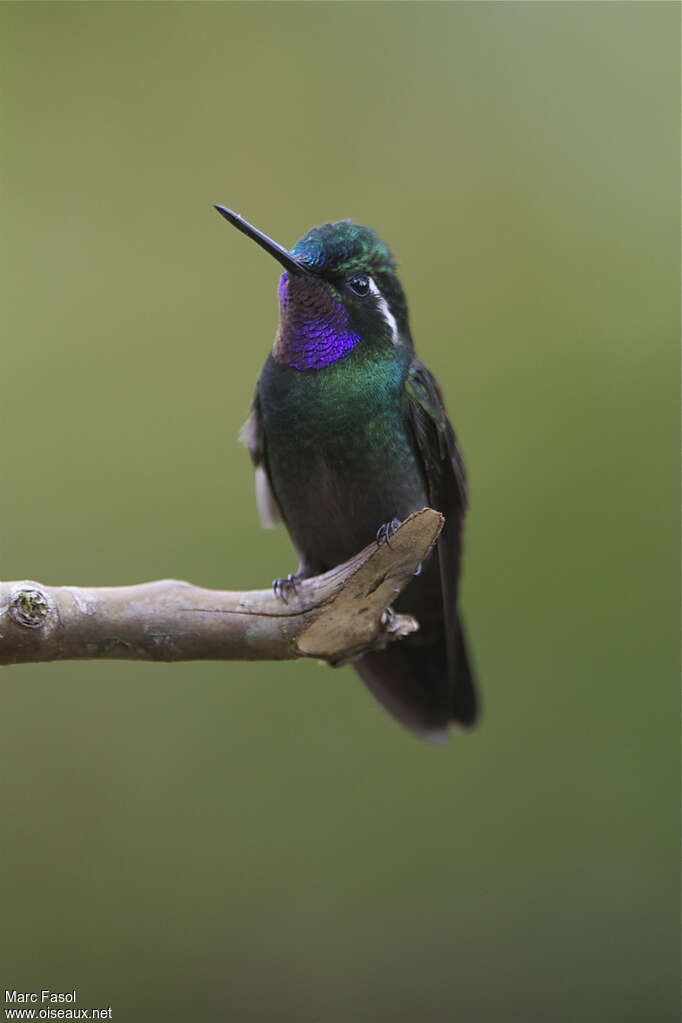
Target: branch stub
29, 607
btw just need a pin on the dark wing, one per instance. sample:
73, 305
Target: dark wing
435, 439
252, 435
443, 469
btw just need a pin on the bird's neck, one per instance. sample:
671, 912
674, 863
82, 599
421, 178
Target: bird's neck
335, 404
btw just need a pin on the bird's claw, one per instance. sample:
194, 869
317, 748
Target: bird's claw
386, 531
283, 587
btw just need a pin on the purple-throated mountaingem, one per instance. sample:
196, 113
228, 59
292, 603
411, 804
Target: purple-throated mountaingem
348, 433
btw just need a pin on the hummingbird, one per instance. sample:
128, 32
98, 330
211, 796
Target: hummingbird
348, 434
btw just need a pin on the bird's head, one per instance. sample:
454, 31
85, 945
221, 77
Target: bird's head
339, 290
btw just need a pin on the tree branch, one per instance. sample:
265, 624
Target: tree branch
335, 616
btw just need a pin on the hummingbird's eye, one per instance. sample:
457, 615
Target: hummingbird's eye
359, 283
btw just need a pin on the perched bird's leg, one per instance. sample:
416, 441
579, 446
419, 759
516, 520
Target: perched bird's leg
283, 587
386, 531
387, 618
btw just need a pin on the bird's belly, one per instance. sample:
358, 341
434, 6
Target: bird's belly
336, 487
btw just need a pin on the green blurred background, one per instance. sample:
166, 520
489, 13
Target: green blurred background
259, 841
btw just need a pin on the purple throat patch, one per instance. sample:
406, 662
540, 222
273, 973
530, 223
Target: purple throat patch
313, 326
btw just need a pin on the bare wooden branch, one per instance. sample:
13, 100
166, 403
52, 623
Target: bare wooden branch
335, 616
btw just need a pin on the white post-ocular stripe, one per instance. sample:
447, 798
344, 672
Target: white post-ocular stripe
385, 312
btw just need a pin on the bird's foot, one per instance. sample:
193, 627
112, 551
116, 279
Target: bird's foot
392, 626
283, 588
386, 531
387, 618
